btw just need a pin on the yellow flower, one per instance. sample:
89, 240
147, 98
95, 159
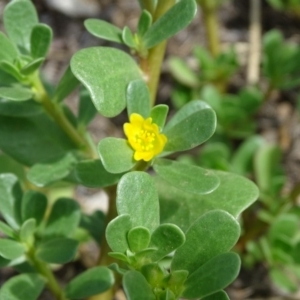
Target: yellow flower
144, 137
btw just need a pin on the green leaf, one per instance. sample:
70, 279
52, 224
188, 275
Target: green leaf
33, 140
119, 256
8, 165
137, 197
10, 199
10, 249
221, 295
285, 226
116, 155
176, 280
94, 224
136, 287
284, 281
27, 231
266, 161
128, 38
144, 23
243, 158
7, 230
57, 250
166, 238
159, 115
116, 233
91, 173
138, 238
64, 218
8, 52
153, 273
115, 267
4, 263
11, 69
175, 19
104, 30
234, 194
15, 93
32, 66
87, 110
189, 178
19, 17
213, 276
182, 72
34, 205
138, 98
20, 109
148, 5
96, 67
24, 286
40, 40
44, 174
91, 282
210, 235
191, 126
66, 85
6, 79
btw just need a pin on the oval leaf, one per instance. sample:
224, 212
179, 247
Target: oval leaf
19, 18
10, 249
212, 234
91, 173
175, 19
234, 194
104, 30
191, 126
136, 287
8, 52
116, 155
166, 238
213, 276
64, 218
116, 233
105, 72
46, 173
138, 238
189, 178
10, 199
34, 205
91, 282
138, 99
15, 93
24, 286
57, 251
137, 197
40, 39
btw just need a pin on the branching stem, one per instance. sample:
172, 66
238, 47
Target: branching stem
43, 269
55, 111
212, 27
151, 65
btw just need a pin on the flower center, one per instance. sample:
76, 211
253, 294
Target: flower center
145, 139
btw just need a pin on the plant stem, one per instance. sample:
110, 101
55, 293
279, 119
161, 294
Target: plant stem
148, 5
56, 112
43, 269
151, 65
104, 258
254, 43
212, 26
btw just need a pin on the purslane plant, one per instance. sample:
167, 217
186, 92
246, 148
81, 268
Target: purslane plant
171, 232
